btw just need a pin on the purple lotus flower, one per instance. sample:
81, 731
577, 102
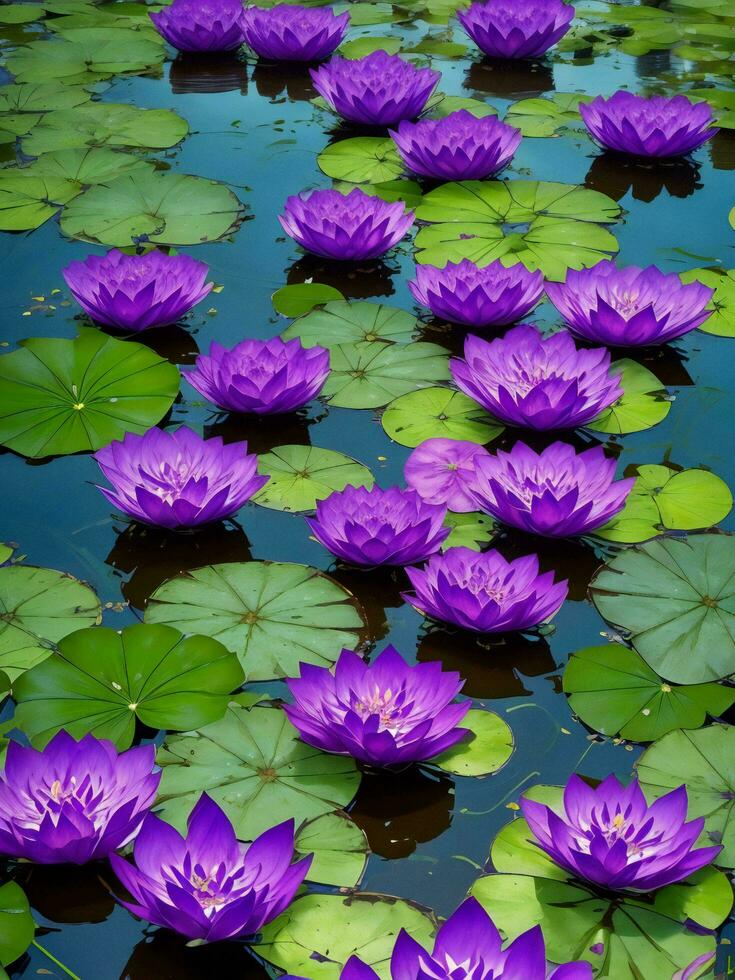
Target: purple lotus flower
384, 714
351, 227
629, 307
177, 479
492, 296
611, 837
468, 946
442, 472
648, 127
262, 377
289, 32
208, 885
556, 493
458, 147
202, 25
137, 292
74, 801
379, 527
483, 592
541, 383
516, 28
378, 90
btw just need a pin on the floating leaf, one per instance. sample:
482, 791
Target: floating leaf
453, 103
439, 48
20, 13
100, 680
17, 927
643, 404
254, 766
301, 298
351, 323
27, 201
438, 413
473, 530
486, 751
273, 615
88, 166
547, 117
364, 14
615, 692
722, 321
317, 934
705, 762
340, 850
93, 56
369, 375
39, 606
364, 159
69, 396
162, 208
676, 599
407, 191
666, 500
302, 475
42, 98
361, 47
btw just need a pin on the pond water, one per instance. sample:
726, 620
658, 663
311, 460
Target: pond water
254, 127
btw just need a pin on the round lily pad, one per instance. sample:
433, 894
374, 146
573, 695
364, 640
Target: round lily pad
69, 396
644, 402
17, 927
254, 766
302, 475
42, 98
482, 753
340, 850
39, 606
273, 615
300, 298
88, 166
21, 13
360, 47
317, 934
100, 680
666, 500
704, 760
722, 321
438, 413
472, 530
547, 117
448, 104
342, 322
676, 600
615, 692
369, 375
364, 159
27, 201
163, 208
88, 57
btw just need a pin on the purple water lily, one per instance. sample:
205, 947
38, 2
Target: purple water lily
379, 527
290, 32
611, 837
208, 885
516, 28
262, 377
384, 714
541, 383
74, 802
556, 493
137, 292
458, 147
492, 296
442, 471
377, 90
483, 592
630, 307
350, 227
177, 479
648, 127
202, 25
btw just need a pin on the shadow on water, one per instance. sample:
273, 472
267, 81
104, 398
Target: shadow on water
167, 957
283, 81
68, 898
264, 432
353, 280
208, 74
616, 176
510, 79
377, 589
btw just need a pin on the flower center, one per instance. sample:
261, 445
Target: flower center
380, 703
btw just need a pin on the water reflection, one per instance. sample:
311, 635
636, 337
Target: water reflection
264, 432
397, 811
353, 280
569, 558
510, 79
281, 82
722, 150
61, 893
174, 343
166, 956
492, 667
377, 589
616, 175
151, 555
208, 74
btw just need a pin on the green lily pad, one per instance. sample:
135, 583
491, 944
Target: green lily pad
485, 752
438, 413
317, 934
369, 375
162, 208
663, 499
439, 48
644, 402
547, 117
254, 766
705, 761
356, 322
17, 927
6, 552
105, 124
88, 166
69, 396
273, 615
721, 101
369, 12
473, 530
340, 850
301, 298
27, 201
408, 191
21, 13
91, 57
361, 47
453, 103
39, 606
615, 692
364, 159
722, 304
15, 124
101, 680
676, 600
302, 475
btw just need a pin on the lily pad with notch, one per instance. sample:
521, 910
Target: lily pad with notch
644, 402
484, 752
438, 413
363, 159
343, 322
94, 165
300, 298
722, 321
370, 375
471, 530
299, 476
547, 116
27, 201
92, 57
